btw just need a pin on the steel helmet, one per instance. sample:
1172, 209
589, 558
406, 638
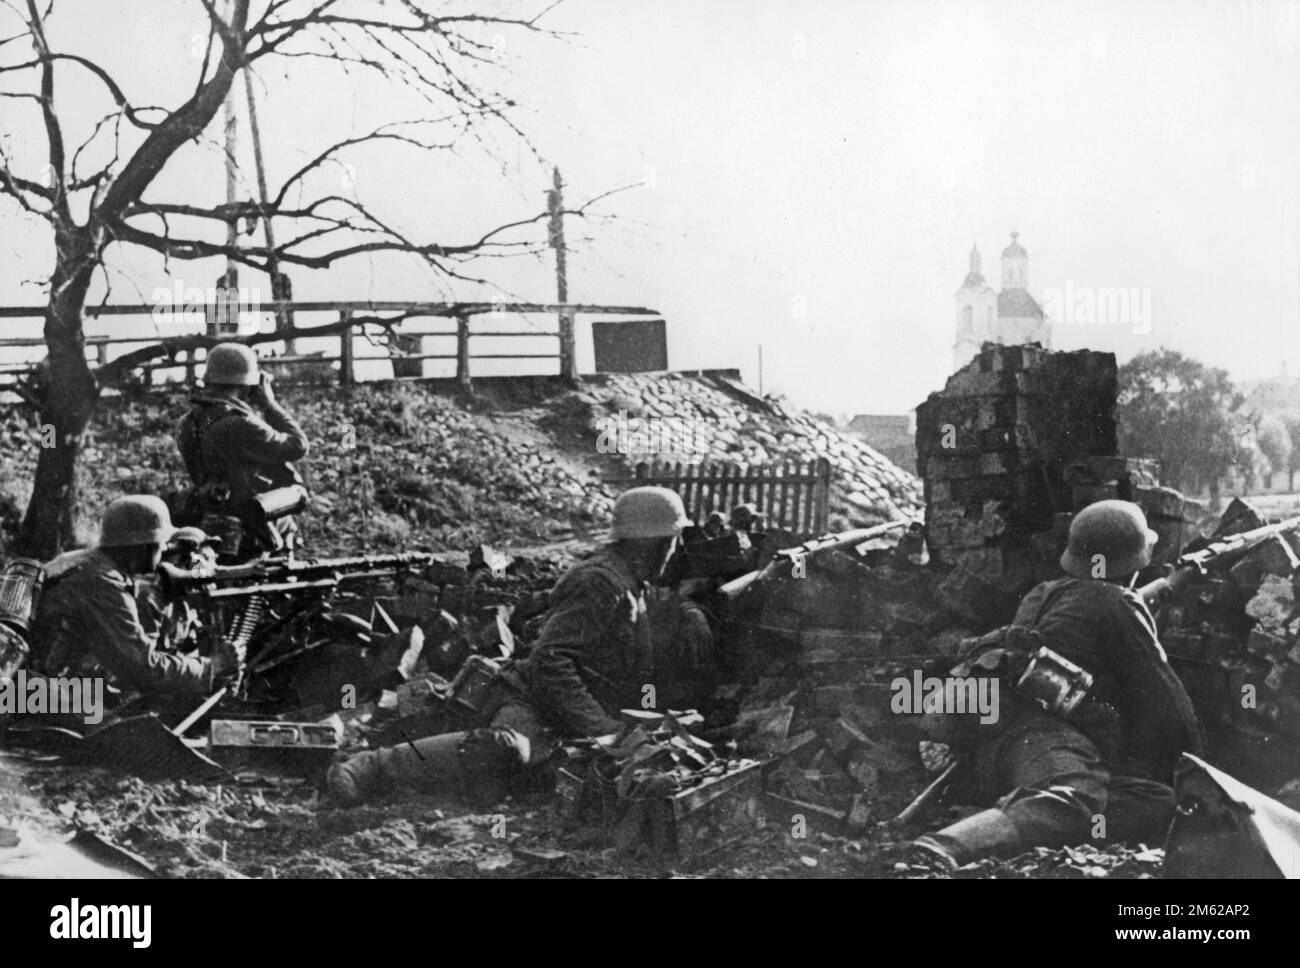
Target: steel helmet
231, 365
139, 519
649, 512
1108, 539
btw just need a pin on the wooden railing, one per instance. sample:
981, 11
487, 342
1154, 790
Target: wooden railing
185, 352
791, 496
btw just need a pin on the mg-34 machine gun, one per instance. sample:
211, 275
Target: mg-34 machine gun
282, 610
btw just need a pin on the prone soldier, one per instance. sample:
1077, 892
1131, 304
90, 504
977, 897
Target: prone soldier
239, 446
594, 656
1054, 769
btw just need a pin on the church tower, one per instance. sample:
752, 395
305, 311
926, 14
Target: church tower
976, 313
1008, 317
1015, 265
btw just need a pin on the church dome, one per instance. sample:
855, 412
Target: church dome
1015, 249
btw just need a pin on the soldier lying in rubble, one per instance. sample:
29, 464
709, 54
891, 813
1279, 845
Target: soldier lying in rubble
593, 657
1099, 771
88, 619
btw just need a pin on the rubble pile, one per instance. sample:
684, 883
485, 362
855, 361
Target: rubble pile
815, 644
488, 606
735, 426
1234, 639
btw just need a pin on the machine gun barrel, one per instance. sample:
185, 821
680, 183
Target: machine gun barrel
281, 575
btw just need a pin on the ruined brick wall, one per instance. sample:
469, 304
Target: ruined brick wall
993, 446
1016, 442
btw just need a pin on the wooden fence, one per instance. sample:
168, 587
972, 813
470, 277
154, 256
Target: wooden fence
791, 496
354, 319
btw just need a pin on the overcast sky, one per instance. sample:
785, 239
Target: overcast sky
818, 171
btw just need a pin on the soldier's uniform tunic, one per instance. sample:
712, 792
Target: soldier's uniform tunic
227, 446
88, 624
1115, 757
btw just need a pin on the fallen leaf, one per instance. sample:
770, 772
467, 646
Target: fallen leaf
494, 862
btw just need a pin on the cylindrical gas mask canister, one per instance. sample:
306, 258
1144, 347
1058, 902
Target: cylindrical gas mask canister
20, 589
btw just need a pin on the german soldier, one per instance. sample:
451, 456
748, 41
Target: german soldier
239, 445
88, 619
1102, 768
593, 656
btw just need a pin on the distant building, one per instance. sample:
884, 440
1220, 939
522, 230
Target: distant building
1011, 316
892, 435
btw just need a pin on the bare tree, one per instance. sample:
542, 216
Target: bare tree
437, 55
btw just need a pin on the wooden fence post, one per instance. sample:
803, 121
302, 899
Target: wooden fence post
568, 351
462, 355
347, 375
823, 492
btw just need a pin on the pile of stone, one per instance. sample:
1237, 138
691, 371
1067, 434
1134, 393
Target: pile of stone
815, 646
732, 425
1234, 639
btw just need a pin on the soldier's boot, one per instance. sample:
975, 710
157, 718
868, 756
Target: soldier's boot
984, 834
478, 762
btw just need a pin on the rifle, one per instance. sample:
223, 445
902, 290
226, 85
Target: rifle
1225, 549
927, 800
784, 560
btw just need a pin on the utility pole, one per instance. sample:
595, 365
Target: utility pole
219, 315
760, 369
281, 291
555, 205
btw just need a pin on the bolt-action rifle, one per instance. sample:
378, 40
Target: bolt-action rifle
1217, 553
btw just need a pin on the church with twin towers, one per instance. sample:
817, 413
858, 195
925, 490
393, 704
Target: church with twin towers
1010, 316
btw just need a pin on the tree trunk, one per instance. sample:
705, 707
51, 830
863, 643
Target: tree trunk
49, 524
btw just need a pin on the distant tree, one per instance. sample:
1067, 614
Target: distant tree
1179, 411
1292, 424
1274, 442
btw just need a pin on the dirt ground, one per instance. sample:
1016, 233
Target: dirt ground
283, 828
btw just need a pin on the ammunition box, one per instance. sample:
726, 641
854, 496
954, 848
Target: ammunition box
684, 826
299, 749
472, 685
712, 814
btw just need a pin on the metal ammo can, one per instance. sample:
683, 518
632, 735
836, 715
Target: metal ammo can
1055, 683
277, 503
472, 682
13, 651
20, 589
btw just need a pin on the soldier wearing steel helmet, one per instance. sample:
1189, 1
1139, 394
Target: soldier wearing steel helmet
1100, 769
88, 620
238, 442
593, 657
